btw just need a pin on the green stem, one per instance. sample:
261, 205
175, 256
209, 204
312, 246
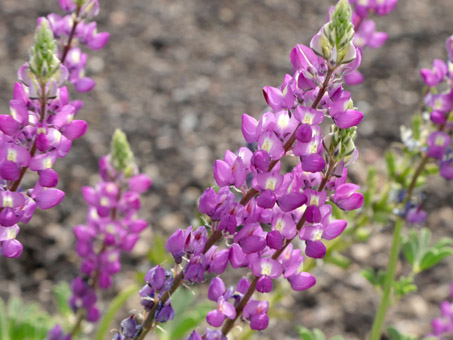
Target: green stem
376, 331
389, 279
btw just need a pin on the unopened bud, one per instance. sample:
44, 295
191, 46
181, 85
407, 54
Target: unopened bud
121, 154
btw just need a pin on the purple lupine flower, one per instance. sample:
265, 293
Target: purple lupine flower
112, 222
41, 127
442, 327
255, 189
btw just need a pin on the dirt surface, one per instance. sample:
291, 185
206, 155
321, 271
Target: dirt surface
176, 77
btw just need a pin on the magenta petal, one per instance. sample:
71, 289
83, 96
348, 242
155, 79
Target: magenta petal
446, 170
227, 308
315, 249
222, 173
377, 39
9, 171
274, 97
264, 284
354, 78
267, 267
75, 129
140, 183
304, 133
49, 198
266, 200
429, 77
90, 196
302, 281
313, 163
302, 57
98, 41
355, 201
237, 257
137, 225
274, 240
9, 126
215, 318
208, 202
48, 178
249, 128
84, 84
216, 289
334, 229
348, 119
292, 201
12, 248
259, 322
252, 244
220, 261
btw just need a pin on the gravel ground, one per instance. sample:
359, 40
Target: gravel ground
176, 77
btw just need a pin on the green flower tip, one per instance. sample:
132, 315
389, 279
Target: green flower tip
334, 42
44, 62
121, 153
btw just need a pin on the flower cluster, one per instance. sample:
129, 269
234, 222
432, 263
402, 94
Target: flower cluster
261, 207
440, 105
39, 129
75, 27
113, 226
365, 28
443, 325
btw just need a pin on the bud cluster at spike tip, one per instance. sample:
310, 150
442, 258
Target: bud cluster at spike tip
112, 225
439, 104
39, 129
79, 14
365, 29
260, 223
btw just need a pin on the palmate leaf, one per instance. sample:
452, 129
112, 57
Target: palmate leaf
23, 321
420, 254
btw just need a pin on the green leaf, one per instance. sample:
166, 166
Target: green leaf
117, 303
420, 254
404, 286
62, 293
433, 257
305, 333
319, 335
390, 159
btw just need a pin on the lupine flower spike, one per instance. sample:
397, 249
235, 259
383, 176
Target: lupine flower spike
112, 227
275, 206
41, 126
